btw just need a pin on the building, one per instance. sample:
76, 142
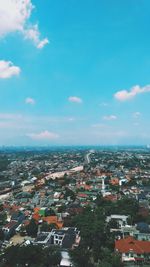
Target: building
120, 219
9, 229
133, 250
66, 238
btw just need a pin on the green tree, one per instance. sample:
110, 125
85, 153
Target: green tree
104, 264
3, 218
2, 236
52, 256
81, 257
69, 193
31, 256
32, 228
4, 162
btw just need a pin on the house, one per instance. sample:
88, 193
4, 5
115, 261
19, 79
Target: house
40, 214
43, 238
53, 220
9, 229
120, 219
18, 216
132, 249
66, 238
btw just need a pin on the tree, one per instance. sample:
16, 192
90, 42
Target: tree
113, 224
104, 264
81, 257
31, 256
1, 207
3, 218
69, 193
93, 231
4, 162
52, 256
96, 248
62, 208
32, 228
44, 227
2, 235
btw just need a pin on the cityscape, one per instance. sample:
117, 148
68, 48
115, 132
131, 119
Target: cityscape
82, 204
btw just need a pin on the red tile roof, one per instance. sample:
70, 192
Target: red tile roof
130, 244
10, 224
111, 197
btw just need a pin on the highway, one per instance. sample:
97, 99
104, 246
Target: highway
87, 157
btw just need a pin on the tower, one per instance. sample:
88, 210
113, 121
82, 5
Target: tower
103, 184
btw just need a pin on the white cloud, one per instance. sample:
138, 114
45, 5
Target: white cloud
42, 43
124, 95
45, 135
30, 101
14, 14
110, 117
33, 34
14, 17
75, 99
7, 69
136, 115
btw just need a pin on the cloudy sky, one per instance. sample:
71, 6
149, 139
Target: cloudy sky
74, 72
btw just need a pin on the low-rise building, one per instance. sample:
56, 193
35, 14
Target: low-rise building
133, 250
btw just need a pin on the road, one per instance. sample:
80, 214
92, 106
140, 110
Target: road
87, 158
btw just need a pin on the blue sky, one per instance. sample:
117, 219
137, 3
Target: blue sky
74, 72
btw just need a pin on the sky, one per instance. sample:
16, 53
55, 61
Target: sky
74, 72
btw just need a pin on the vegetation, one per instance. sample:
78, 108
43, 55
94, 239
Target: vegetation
2, 236
69, 193
4, 162
96, 248
3, 218
31, 256
32, 228
45, 227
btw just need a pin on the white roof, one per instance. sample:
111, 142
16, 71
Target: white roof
66, 263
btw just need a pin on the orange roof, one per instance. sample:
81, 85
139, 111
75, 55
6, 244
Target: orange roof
114, 181
130, 244
36, 210
48, 219
36, 216
53, 220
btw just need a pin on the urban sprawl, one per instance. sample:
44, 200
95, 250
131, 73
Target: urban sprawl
79, 207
